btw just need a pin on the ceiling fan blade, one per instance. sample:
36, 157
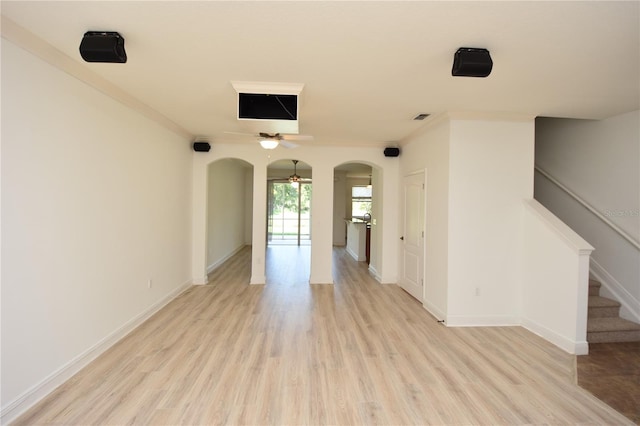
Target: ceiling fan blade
288, 145
293, 137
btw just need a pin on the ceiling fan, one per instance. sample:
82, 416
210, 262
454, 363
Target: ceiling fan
293, 179
272, 140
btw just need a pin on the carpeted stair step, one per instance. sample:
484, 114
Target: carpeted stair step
601, 307
594, 287
601, 330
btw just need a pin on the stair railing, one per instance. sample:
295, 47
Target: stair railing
586, 205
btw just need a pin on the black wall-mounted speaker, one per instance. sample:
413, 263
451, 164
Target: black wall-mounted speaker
391, 152
201, 146
471, 62
103, 46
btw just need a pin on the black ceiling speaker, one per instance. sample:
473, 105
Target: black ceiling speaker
471, 62
103, 46
201, 146
391, 152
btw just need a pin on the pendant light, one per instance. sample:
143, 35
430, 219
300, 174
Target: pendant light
294, 179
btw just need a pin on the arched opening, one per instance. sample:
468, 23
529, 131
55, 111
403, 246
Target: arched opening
289, 203
289, 233
357, 212
229, 221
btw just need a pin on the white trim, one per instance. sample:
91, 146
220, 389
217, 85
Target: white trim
481, 321
574, 241
589, 207
629, 303
376, 275
46, 52
200, 280
564, 343
352, 254
267, 88
258, 280
40, 390
433, 310
219, 262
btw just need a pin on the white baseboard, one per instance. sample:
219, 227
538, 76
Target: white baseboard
258, 280
200, 280
220, 261
433, 310
353, 254
481, 321
29, 398
375, 274
564, 343
630, 305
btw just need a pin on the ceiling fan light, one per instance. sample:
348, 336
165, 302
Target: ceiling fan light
269, 143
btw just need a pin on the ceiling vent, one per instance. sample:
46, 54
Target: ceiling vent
420, 117
268, 107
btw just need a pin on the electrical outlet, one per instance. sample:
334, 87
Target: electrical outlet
149, 283
477, 291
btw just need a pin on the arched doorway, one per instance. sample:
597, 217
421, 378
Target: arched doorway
289, 190
288, 233
229, 219
357, 212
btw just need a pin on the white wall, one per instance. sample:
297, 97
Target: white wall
430, 150
96, 202
491, 172
555, 269
226, 206
478, 170
600, 162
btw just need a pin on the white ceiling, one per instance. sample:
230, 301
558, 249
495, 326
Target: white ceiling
367, 67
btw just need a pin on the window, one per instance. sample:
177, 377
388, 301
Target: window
360, 201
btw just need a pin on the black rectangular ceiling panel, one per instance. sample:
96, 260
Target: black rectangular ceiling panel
267, 107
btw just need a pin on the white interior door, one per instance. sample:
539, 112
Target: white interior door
413, 236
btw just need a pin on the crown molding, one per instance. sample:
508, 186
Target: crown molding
33, 44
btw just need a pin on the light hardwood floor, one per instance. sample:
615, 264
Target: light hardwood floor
356, 352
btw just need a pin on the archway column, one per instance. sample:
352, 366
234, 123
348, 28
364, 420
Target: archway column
321, 224
259, 237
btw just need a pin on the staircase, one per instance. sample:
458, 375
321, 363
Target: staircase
604, 323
